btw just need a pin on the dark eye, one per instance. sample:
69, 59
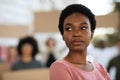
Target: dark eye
83, 28
69, 29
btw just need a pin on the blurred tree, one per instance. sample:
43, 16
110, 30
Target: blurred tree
95, 41
117, 5
111, 38
117, 9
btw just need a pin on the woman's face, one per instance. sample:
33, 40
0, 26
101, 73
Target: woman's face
12, 54
27, 49
77, 32
51, 43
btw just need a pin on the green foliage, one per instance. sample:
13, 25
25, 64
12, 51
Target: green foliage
95, 41
111, 38
117, 6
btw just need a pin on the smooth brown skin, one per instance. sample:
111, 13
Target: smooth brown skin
12, 55
77, 36
27, 53
50, 44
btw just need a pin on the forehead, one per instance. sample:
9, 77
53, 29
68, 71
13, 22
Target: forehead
27, 44
76, 17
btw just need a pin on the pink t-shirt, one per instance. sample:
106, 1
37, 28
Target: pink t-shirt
63, 70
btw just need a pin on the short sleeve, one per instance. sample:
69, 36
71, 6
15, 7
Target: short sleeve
59, 71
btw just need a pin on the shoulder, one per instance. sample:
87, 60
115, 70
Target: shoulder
99, 67
59, 64
102, 71
60, 68
35, 62
16, 65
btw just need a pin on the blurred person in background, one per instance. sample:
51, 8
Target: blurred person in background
27, 49
12, 55
115, 63
51, 50
50, 43
1, 59
103, 54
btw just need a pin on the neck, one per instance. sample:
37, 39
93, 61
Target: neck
26, 59
76, 57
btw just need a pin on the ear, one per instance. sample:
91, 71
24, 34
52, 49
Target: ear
92, 34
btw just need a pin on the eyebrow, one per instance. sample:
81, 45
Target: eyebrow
68, 24
84, 23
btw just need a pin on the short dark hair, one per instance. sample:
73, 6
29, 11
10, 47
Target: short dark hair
31, 41
79, 8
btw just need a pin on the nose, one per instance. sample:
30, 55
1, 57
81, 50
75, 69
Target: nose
76, 33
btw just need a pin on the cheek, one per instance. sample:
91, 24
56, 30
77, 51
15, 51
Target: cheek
90, 35
66, 38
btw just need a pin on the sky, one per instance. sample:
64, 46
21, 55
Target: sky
99, 7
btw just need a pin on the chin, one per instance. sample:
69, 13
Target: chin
77, 49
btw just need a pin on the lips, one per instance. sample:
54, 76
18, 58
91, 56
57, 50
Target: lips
77, 42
